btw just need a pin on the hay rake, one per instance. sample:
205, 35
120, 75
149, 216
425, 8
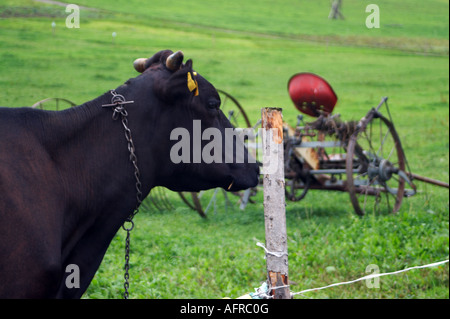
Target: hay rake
364, 158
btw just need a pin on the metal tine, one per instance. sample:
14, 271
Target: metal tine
164, 200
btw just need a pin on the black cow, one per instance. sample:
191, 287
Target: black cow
67, 183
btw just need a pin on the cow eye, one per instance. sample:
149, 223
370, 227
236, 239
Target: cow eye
213, 104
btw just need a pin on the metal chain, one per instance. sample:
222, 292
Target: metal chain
118, 101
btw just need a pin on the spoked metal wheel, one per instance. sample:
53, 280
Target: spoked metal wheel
296, 189
375, 166
205, 201
53, 103
296, 182
233, 110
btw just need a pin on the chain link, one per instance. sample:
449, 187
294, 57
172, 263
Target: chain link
118, 101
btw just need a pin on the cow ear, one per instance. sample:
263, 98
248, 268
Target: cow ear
188, 65
181, 84
191, 78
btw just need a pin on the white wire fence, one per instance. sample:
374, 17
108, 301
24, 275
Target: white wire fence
263, 292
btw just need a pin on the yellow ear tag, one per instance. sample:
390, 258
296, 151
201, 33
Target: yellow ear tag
192, 84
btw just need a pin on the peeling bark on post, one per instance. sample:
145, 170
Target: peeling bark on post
274, 202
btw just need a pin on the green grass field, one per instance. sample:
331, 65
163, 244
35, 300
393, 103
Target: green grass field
251, 49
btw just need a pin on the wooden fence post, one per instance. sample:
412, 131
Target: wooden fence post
274, 203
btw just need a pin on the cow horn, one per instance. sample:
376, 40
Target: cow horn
175, 60
139, 64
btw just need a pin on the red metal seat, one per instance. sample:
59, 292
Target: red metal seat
311, 94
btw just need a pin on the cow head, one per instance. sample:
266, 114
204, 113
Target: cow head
196, 148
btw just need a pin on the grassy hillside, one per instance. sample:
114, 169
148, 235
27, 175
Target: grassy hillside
291, 17
250, 49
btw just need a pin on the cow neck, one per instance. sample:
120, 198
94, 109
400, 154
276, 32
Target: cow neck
90, 151
100, 132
